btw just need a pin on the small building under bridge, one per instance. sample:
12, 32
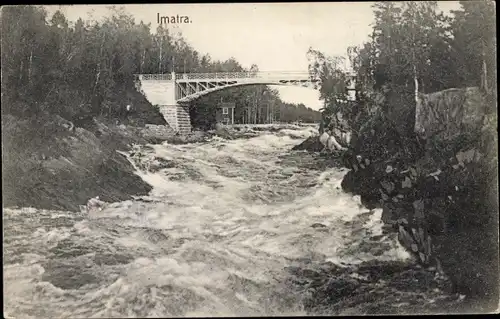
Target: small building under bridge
225, 113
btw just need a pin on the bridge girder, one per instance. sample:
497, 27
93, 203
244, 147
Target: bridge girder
189, 91
190, 86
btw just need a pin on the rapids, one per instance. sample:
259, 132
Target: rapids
213, 238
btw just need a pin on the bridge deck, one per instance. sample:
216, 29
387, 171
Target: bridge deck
199, 77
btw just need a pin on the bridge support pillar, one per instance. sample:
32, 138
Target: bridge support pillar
169, 113
177, 117
183, 119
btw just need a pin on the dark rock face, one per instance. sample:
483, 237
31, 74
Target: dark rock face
69, 277
71, 166
439, 194
450, 112
160, 163
318, 226
193, 137
444, 217
311, 144
372, 287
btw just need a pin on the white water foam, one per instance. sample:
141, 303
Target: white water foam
217, 229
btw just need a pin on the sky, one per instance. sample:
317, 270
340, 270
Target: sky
275, 36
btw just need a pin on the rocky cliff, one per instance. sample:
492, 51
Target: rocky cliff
48, 162
432, 168
437, 187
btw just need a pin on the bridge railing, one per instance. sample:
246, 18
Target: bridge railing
241, 75
155, 77
282, 75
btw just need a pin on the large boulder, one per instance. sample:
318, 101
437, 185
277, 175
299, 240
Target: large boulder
311, 144
449, 113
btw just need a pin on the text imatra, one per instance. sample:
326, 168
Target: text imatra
172, 19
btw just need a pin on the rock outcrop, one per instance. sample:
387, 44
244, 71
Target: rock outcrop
438, 187
449, 113
311, 144
48, 166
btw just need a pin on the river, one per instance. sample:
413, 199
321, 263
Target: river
216, 236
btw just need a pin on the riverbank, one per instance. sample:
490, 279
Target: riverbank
46, 164
438, 193
50, 163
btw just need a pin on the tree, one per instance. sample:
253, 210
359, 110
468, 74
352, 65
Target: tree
474, 43
332, 84
87, 70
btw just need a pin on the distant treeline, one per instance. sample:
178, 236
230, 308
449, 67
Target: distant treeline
84, 69
254, 105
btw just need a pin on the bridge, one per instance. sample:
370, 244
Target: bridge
173, 92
